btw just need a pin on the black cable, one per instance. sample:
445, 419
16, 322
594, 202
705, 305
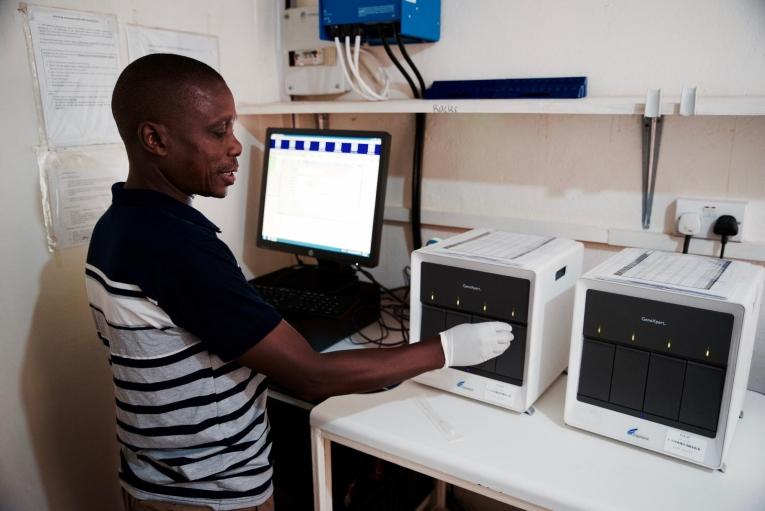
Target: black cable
395, 61
419, 141
375, 282
686, 243
385, 330
409, 61
391, 305
419, 133
372, 340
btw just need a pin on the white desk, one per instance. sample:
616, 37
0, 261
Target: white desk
533, 461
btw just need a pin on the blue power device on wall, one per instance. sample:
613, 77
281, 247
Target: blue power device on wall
419, 20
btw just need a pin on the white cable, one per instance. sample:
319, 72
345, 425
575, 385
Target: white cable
355, 68
357, 73
348, 61
383, 79
341, 60
368, 93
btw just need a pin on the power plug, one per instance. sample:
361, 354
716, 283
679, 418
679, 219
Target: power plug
690, 225
710, 210
725, 226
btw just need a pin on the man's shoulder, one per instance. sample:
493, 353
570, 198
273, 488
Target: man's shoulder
138, 232
148, 247
151, 224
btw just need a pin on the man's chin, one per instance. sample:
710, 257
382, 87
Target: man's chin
218, 192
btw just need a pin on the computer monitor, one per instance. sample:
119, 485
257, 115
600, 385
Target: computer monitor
323, 194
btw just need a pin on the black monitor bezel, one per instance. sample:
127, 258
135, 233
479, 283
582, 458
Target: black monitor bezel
382, 177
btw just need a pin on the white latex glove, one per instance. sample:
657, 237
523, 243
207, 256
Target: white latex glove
472, 343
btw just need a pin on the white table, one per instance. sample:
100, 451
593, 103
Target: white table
533, 461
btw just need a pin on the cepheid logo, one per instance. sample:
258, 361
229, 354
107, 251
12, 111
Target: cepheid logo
462, 384
634, 432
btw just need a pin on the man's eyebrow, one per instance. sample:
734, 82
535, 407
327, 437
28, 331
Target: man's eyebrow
229, 119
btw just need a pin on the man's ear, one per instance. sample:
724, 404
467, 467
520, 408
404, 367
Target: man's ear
153, 137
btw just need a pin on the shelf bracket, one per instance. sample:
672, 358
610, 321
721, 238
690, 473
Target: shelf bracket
652, 123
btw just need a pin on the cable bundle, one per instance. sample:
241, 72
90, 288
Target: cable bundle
394, 304
352, 62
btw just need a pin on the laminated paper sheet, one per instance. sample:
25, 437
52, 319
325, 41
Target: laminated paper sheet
690, 274
76, 188
76, 62
499, 246
145, 41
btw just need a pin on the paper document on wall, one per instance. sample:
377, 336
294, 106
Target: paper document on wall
76, 61
666, 270
145, 41
498, 246
77, 191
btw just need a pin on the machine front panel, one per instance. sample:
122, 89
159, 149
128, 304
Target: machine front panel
658, 361
452, 296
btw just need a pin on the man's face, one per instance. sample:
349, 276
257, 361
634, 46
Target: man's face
201, 146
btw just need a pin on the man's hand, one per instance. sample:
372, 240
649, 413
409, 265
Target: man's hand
470, 344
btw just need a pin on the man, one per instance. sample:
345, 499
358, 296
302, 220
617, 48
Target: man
190, 342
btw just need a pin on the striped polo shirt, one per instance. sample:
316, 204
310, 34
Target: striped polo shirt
174, 311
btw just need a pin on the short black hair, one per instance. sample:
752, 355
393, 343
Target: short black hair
154, 86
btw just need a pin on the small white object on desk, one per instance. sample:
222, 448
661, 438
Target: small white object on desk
534, 462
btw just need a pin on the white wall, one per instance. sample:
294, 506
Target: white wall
57, 435
624, 48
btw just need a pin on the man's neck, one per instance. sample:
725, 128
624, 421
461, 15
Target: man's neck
152, 179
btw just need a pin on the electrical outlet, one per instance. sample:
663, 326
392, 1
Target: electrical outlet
710, 211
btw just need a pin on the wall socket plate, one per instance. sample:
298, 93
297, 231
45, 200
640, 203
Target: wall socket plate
710, 210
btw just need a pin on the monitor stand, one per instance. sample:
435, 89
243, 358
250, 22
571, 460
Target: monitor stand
328, 277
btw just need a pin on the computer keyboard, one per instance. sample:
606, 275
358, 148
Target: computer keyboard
286, 299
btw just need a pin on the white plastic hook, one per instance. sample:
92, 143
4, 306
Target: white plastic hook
653, 103
688, 101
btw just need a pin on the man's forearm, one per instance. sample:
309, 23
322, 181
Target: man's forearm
286, 356
347, 372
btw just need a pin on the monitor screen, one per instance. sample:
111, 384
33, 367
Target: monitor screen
323, 193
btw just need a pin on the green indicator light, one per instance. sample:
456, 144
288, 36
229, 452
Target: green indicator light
707, 353
600, 329
512, 313
669, 344
633, 337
